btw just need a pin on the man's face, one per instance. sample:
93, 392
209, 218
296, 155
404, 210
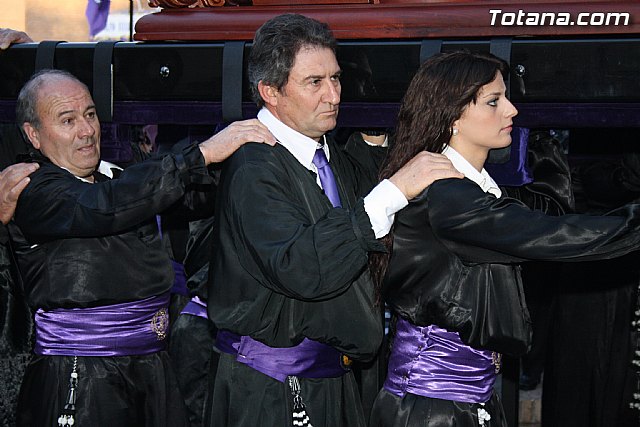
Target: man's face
309, 102
69, 131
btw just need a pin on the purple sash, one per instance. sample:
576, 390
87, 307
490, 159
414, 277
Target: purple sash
309, 359
196, 307
433, 362
126, 329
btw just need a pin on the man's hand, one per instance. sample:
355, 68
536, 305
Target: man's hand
421, 171
223, 144
9, 37
13, 180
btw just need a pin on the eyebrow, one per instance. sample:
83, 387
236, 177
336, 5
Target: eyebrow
492, 94
320, 77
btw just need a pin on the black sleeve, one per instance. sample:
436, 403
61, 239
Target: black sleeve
365, 162
482, 228
277, 241
57, 204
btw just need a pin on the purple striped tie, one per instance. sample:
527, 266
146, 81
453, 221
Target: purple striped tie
327, 179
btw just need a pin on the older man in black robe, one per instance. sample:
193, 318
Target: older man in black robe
94, 270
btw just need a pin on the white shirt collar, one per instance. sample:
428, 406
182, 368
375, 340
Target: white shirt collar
104, 167
482, 178
300, 146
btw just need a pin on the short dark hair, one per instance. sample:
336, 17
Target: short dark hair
276, 44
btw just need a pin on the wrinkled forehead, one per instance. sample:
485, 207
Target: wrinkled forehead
63, 93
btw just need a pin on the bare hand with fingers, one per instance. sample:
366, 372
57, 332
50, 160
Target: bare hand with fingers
13, 180
223, 144
9, 37
422, 171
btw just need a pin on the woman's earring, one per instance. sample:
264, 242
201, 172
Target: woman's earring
454, 131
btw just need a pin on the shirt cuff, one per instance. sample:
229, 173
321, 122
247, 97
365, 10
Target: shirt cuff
371, 144
381, 205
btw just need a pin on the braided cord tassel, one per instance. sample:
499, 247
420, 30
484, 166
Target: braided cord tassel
300, 417
67, 418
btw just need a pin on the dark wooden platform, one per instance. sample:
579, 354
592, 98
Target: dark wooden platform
393, 19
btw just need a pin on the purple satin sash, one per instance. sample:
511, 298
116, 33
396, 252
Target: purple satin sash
196, 307
433, 362
125, 329
309, 359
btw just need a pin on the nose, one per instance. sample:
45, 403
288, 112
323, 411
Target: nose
510, 110
332, 93
87, 128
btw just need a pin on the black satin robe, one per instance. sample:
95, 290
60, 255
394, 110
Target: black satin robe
456, 234
82, 245
589, 377
287, 265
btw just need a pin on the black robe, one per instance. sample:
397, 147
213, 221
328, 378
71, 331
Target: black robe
454, 234
287, 265
83, 245
589, 377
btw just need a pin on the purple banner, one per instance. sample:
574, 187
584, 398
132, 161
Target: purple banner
97, 13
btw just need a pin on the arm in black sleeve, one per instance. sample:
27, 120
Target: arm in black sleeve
365, 161
481, 228
56, 204
300, 257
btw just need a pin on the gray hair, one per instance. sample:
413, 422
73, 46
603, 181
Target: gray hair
26, 107
276, 44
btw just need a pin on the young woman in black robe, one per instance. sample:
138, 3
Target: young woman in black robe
452, 277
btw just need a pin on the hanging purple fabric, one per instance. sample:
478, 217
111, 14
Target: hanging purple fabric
433, 362
327, 179
97, 13
515, 171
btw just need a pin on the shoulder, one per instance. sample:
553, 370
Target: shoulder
454, 196
256, 153
47, 172
452, 189
254, 162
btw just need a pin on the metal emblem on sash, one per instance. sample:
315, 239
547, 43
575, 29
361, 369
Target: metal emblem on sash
160, 323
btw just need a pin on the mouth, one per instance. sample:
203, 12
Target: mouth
507, 128
330, 112
87, 147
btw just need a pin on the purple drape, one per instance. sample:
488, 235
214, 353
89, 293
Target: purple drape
97, 13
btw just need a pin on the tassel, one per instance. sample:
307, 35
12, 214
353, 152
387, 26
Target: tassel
483, 415
300, 417
67, 418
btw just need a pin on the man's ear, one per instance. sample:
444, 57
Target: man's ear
268, 94
32, 134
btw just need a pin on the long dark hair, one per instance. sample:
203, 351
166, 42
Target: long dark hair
438, 94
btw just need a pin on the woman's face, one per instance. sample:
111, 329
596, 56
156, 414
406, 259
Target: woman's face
485, 124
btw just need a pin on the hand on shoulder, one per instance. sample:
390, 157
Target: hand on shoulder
13, 180
421, 171
223, 144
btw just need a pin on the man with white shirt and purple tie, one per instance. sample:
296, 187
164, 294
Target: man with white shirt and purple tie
289, 289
